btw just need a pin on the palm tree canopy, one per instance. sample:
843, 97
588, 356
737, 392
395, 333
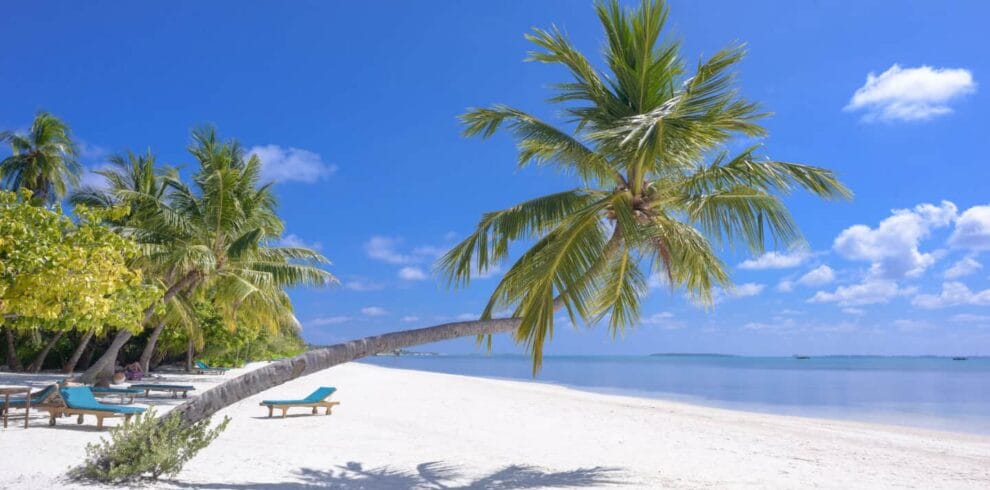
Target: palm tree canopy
658, 193
44, 160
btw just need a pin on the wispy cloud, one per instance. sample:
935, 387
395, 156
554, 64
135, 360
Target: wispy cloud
868, 292
964, 267
363, 285
776, 260
295, 241
953, 294
287, 164
412, 274
373, 311
911, 94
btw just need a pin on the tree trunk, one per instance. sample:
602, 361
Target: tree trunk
109, 358
103, 367
76, 354
13, 363
149, 348
39, 360
279, 372
190, 352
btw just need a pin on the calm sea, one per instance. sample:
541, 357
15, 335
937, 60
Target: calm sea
930, 392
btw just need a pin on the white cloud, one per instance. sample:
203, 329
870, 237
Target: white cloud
775, 260
953, 294
92, 180
280, 164
963, 268
361, 284
972, 229
384, 249
785, 286
818, 276
870, 291
970, 318
664, 320
892, 247
373, 311
409, 319
467, 317
412, 274
328, 320
854, 311
294, 241
911, 94
746, 289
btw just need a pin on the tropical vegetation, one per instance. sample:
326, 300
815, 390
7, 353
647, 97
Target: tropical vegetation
191, 266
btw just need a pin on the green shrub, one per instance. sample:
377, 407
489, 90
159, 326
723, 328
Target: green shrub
145, 450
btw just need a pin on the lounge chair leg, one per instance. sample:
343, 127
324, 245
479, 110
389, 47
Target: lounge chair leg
328, 410
185, 394
314, 410
80, 419
283, 411
99, 422
51, 419
271, 410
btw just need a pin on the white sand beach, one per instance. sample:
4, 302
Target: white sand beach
408, 429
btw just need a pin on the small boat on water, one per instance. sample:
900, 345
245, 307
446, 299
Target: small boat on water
959, 358
801, 357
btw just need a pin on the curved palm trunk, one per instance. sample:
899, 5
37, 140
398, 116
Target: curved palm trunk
104, 365
149, 348
77, 354
39, 360
13, 363
279, 372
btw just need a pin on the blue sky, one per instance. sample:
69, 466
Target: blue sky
353, 106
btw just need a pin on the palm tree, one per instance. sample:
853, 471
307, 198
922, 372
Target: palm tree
43, 161
137, 183
657, 193
217, 238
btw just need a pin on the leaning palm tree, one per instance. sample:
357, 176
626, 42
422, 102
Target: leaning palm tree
656, 192
215, 236
44, 160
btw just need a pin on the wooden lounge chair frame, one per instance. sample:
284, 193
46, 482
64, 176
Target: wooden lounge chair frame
99, 414
286, 406
203, 368
175, 391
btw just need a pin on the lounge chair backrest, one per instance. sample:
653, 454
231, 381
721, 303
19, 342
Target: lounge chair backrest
41, 396
320, 394
79, 397
201, 365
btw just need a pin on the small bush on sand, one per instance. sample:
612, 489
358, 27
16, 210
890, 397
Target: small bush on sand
145, 450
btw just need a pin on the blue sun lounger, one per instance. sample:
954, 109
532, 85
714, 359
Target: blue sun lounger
316, 400
204, 368
79, 400
174, 389
38, 399
128, 393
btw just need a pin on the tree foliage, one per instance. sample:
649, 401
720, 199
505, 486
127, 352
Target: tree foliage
43, 161
67, 275
658, 192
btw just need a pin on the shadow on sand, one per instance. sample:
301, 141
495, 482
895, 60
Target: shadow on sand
433, 475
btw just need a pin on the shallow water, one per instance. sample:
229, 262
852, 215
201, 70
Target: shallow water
928, 392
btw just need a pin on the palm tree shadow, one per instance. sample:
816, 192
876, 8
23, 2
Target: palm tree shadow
435, 475
439, 475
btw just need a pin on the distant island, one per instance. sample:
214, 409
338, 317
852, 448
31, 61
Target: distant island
403, 352
690, 354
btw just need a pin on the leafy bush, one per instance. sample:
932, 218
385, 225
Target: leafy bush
146, 450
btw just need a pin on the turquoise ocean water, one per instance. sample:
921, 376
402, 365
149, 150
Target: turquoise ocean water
929, 392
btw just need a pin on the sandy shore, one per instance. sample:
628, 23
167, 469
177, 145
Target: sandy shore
409, 429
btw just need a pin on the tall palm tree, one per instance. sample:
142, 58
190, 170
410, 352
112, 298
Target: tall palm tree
44, 160
217, 236
656, 192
